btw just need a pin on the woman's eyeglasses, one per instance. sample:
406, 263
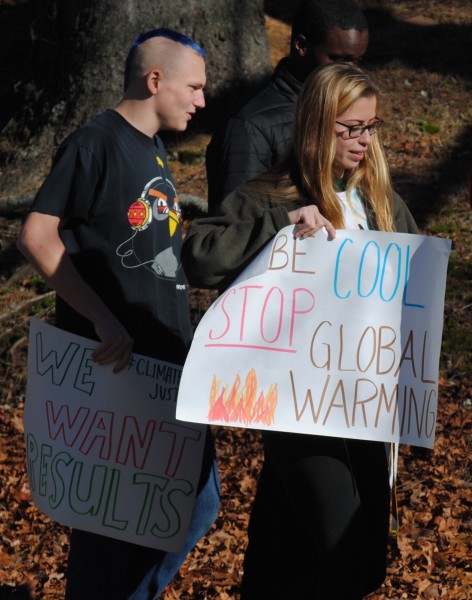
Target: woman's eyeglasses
356, 131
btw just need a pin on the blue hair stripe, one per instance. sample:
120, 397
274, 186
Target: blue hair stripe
169, 34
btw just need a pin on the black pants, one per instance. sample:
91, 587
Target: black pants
319, 523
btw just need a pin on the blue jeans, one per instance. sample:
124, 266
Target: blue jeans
102, 568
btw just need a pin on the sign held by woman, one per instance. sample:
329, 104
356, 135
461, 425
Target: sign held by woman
338, 337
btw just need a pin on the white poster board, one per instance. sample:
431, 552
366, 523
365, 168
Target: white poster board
104, 451
330, 337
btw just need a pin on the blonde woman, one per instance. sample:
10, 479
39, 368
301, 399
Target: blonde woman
319, 524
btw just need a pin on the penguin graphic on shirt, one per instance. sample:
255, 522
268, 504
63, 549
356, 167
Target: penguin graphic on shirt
154, 220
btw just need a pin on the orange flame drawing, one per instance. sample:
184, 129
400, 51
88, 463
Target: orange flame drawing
242, 406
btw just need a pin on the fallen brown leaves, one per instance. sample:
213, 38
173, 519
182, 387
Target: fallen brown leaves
430, 560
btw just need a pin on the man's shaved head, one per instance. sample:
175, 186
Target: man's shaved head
156, 49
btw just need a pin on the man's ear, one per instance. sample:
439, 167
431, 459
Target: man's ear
153, 80
300, 45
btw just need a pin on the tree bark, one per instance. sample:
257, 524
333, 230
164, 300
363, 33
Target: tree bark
75, 68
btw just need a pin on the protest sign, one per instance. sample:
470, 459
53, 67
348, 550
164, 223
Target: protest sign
104, 451
331, 337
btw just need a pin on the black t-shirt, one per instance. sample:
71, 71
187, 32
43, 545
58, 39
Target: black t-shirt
113, 186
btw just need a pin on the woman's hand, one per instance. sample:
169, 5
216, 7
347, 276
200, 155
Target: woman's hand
308, 220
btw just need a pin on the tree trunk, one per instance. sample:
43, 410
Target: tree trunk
75, 67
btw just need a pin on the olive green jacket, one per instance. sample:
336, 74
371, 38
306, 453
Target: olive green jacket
217, 248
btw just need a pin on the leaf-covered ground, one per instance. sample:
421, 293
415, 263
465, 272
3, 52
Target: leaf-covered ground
422, 60
431, 558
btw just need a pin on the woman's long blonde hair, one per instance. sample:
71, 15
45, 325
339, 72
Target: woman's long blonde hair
307, 172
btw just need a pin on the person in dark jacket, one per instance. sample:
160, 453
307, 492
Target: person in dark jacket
255, 139
320, 519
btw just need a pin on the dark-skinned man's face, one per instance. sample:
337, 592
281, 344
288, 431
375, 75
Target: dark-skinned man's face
347, 45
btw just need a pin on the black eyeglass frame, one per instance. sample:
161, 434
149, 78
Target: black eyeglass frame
372, 128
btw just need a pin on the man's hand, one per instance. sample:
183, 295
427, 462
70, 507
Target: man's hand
116, 346
308, 220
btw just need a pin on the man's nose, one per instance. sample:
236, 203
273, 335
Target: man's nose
199, 99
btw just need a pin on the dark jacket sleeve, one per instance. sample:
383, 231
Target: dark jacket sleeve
237, 155
404, 222
254, 139
218, 247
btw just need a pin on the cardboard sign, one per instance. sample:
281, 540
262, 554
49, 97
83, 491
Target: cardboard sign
329, 337
104, 450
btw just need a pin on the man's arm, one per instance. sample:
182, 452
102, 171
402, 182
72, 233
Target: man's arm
40, 243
